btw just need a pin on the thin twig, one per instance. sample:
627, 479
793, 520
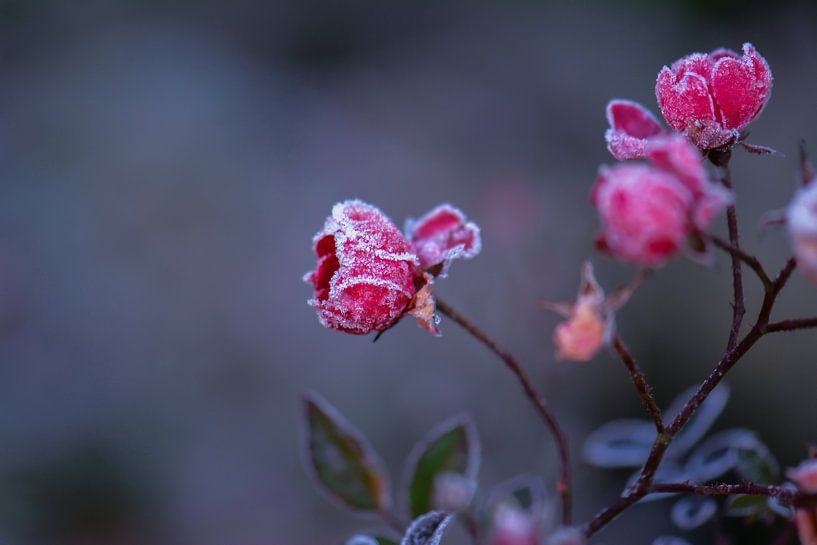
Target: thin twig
738, 306
641, 385
724, 489
791, 325
536, 399
749, 260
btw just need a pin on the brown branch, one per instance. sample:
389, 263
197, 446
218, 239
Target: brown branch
724, 489
791, 325
640, 381
749, 260
535, 398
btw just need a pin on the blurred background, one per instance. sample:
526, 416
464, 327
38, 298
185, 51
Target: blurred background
164, 166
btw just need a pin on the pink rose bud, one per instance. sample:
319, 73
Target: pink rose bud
801, 219
442, 235
631, 128
805, 476
710, 98
512, 526
589, 325
364, 279
648, 212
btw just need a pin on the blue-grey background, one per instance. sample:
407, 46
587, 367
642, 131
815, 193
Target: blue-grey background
164, 165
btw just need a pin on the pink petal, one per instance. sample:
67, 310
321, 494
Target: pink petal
632, 118
741, 87
695, 63
674, 154
685, 101
442, 235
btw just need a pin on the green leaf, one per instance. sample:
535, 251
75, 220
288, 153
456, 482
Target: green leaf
427, 529
342, 460
451, 447
757, 465
746, 506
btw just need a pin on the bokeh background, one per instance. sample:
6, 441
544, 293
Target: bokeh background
164, 165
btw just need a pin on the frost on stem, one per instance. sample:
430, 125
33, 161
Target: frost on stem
711, 97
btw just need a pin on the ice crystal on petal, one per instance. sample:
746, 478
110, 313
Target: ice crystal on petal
442, 235
365, 272
631, 127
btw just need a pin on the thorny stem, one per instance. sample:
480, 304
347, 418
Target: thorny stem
724, 489
535, 398
791, 325
644, 485
641, 385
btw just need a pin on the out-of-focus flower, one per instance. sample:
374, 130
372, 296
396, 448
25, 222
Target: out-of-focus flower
442, 235
590, 321
453, 491
513, 526
805, 475
711, 97
801, 220
365, 274
631, 128
648, 212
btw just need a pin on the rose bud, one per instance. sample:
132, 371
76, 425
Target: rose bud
710, 98
801, 220
648, 212
631, 128
365, 274
807, 525
590, 324
442, 235
805, 476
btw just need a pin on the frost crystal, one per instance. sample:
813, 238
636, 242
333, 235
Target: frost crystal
711, 97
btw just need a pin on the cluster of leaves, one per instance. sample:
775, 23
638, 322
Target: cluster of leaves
439, 482
734, 452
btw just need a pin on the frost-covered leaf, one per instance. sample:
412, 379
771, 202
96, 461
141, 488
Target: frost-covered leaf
670, 540
361, 539
776, 506
701, 421
451, 447
668, 472
745, 506
719, 454
619, 443
756, 464
427, 529
341, 459
691, 512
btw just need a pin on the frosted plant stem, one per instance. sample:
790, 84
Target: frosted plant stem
535, 398
640, 381
644, 485
750, 260
724, 489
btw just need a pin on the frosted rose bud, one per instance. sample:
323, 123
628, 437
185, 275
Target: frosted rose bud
364, 278
805, 476
645, 213
631, 128
648, 212
801, 219
711, 97
587, 328
442, 235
